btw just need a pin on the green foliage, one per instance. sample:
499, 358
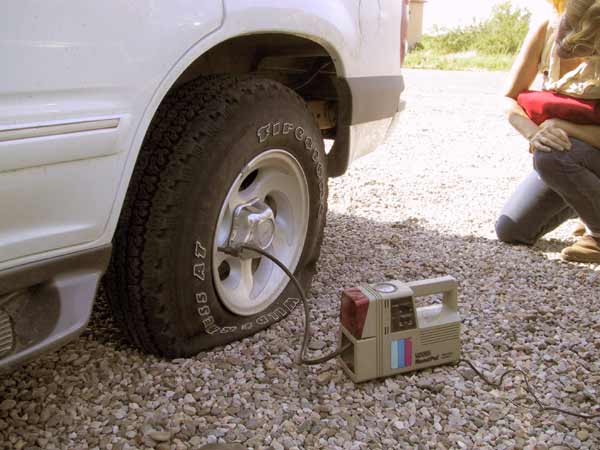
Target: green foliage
458, 61
504, 32
501, 35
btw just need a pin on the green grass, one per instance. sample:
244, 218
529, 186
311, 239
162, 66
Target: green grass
488, 45
424, 59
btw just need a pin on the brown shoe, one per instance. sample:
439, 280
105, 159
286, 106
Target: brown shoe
579, 229
585, 250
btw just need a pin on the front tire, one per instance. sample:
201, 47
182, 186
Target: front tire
214, 145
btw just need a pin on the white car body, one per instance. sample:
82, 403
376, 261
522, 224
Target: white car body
81, 81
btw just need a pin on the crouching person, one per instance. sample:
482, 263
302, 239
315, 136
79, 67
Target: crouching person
565, 182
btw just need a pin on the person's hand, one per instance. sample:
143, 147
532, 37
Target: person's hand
550, 137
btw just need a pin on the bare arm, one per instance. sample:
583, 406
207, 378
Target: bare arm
522, 75
589, 134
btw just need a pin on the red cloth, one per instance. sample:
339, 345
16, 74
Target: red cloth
544, 105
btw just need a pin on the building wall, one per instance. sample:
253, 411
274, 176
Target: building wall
415, 21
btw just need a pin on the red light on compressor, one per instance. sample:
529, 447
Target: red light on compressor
354, 309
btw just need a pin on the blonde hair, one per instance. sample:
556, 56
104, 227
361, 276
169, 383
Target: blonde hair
559, 5
583, 17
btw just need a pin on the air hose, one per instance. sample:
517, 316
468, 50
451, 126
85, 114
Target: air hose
302, 359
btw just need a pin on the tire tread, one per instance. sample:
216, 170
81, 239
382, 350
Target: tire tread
134, 282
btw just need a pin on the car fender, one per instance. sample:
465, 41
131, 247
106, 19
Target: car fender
334, 25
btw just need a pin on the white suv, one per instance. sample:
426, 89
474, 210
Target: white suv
138, 137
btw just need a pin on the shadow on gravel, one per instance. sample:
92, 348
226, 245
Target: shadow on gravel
102, 327
506, 293
514, 302
359, 251
551, 245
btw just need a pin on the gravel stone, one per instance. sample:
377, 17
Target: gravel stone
222, 447
7, 405
277, 446
316, 344
422, 206
160, 436
583, 435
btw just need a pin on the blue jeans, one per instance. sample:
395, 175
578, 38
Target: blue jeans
564, 185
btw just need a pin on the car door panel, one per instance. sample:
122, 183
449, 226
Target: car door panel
76, 79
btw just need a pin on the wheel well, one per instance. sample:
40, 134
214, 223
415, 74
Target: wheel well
290, 60
300, 64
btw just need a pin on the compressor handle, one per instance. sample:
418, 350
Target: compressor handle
446, 285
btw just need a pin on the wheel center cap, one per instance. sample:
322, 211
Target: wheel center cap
253, 224
264, 232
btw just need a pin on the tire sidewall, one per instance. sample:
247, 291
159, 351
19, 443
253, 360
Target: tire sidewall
275, 122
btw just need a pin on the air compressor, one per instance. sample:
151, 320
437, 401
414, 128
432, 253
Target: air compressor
384, 332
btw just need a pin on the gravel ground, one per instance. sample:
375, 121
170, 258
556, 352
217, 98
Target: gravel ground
422, 206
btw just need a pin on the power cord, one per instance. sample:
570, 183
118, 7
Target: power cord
8, 297
307, 332
312, 77
498, 384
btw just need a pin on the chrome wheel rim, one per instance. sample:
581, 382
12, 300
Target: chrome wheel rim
275, 180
